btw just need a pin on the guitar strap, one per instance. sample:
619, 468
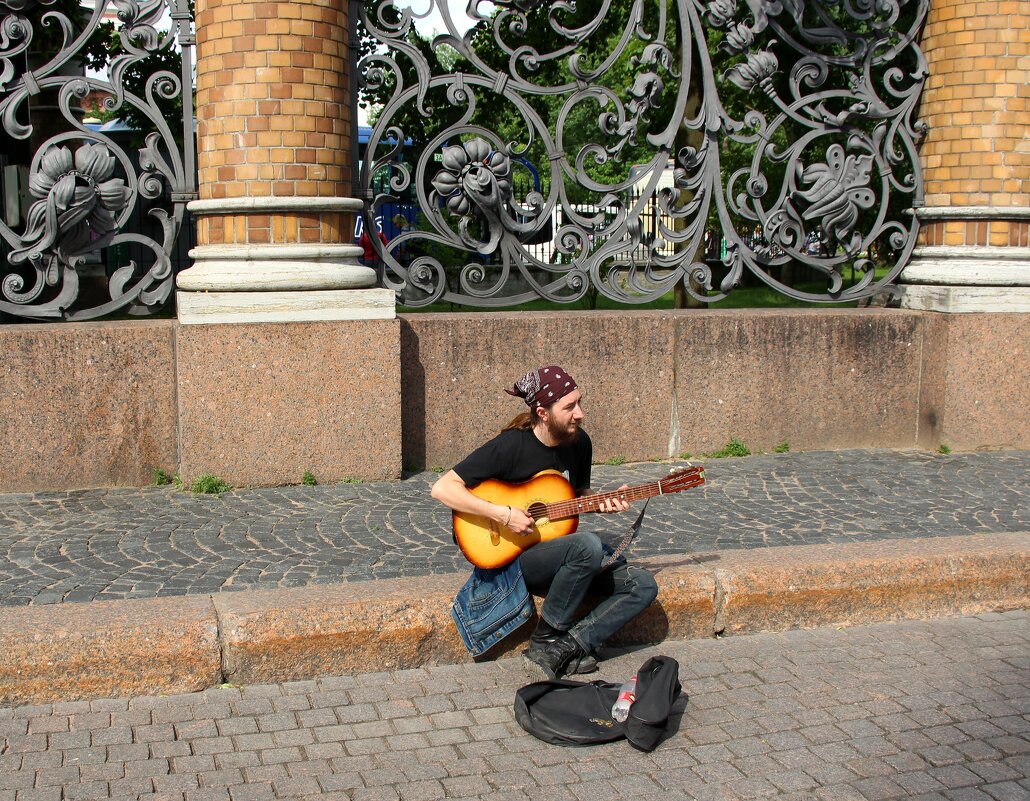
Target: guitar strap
627, 538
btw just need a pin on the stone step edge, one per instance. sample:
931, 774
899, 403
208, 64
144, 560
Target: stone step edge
186, 644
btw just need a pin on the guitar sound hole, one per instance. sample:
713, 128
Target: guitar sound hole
537, 510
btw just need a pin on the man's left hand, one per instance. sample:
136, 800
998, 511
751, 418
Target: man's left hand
617, 504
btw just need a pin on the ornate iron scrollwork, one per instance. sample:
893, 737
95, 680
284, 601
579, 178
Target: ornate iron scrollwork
84, 191
769, 137
475, 182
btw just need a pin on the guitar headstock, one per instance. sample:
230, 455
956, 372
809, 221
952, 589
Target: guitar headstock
682, 478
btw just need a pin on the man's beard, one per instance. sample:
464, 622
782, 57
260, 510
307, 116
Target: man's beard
562, 435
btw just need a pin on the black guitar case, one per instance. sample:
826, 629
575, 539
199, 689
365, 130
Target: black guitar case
576, 713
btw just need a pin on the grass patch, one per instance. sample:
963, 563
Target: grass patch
208, 484
783, 447
160, 478
308, 479
732, 448
944, 449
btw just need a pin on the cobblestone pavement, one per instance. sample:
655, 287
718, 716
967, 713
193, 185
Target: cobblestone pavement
933, 711
140, 543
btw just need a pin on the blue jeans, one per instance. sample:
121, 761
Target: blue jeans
565, 570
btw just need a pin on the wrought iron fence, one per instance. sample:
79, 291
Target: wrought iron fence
633, 145
96, 108
626, 146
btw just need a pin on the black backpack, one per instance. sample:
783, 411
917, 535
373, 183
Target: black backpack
566, 712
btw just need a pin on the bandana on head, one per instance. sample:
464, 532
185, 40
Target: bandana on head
544, 386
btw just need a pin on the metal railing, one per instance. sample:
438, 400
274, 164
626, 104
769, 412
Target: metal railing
784, 131
96, 125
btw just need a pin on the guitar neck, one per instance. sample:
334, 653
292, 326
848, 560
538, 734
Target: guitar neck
592, 503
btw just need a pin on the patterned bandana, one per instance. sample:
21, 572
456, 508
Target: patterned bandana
544, 386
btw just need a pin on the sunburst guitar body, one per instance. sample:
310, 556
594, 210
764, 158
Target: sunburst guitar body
548, 498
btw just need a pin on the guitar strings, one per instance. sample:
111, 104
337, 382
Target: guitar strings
562, 509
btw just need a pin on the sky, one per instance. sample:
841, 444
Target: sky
435, 21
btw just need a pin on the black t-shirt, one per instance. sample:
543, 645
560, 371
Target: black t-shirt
517, 455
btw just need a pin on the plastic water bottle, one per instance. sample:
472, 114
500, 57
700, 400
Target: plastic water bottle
627, 695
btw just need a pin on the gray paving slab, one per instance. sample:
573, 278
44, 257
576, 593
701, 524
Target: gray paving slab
125, 543
930, 710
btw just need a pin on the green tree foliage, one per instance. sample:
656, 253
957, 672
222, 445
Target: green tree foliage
55, 25
108, 44
850, 53
605, 146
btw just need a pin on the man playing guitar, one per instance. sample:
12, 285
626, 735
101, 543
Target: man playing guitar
564, 569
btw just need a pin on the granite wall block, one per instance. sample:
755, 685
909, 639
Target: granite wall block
86, 404
259, 404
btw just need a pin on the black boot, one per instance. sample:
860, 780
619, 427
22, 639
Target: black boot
544, 635
551, 660
580, 665
545, 632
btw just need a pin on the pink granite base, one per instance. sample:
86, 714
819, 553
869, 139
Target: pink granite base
103, 404
985, 395
658, 384
86, 404
260, 404
814, 379
455, 368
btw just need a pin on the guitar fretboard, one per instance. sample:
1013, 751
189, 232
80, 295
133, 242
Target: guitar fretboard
591, 503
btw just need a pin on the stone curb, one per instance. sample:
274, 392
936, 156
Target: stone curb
94, 650
176, 645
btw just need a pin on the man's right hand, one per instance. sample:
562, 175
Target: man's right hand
520, 522
451, 491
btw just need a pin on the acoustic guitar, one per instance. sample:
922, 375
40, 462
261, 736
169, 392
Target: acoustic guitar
550, 500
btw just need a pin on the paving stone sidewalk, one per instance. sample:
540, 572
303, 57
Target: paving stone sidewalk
932, 711
123, 543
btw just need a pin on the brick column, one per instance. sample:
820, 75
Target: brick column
974, 243
275, 218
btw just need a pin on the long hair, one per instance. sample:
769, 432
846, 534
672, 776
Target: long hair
524, 421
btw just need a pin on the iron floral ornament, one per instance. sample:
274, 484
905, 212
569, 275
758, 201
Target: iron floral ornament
839, 189
95, 208
77, 206
748, 128
474, 183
